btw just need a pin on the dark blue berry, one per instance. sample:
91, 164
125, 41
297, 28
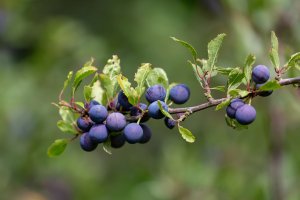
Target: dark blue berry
245, 114
117, 141
263, 93
260, 74
84, 124
155, 92
170, 123
115, 121
154, 111
146, 134
91, 104
233, 106
98, 113
179, 94
137, 110
86, 143
98, 133
133, 133
123, 101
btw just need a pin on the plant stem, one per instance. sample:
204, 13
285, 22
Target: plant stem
215, 102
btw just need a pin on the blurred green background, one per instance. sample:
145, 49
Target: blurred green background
40, 41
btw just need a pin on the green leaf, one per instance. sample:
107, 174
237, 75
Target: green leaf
108, 78
87, 91
157, 76
89, 63
82, 74
248, 67
67, 81
81, 104
274, 57
238, 92
188, 46
165, 113
213, 49
235, 78
294, 61
186, 134
270, 85
129, 91
234, 124
110, 86
168, 91
223, 104
66, 127
197, 72
98, 93
57, 147
66, 114
112, 67
224, 71
219, 88
140, 78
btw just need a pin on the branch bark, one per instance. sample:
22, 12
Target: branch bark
215, 102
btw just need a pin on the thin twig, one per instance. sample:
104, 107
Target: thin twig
215, 102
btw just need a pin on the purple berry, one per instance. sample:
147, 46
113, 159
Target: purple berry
180, 94
98, 113
117, 141
137, 110
233, 106
154, 111
170, 123
115, 121
146, 134
84, 124
133, 133
86, 143
245, 114
123, 101
155, 92
91, 104
263, 93
98, 133
260, 74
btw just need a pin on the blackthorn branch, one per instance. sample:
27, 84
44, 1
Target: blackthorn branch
114, 113
215, 102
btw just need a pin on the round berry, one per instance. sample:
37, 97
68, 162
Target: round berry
98, 113
245, 114
115, 121
117, 141
155, 92
260, 74
180, 94
98, 133
133, 133
123, 101
230, 112
263, 93
170, 123
84, 124
154, 111
233, 106
91, 104
146, 134
86, 143
137, 110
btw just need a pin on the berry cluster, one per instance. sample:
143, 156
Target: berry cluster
114, 122
244, 113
